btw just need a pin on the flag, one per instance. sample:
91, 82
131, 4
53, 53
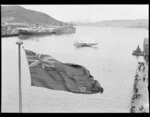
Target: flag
49, 73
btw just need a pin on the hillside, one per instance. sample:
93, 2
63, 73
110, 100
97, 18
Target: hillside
21, 15
138, 23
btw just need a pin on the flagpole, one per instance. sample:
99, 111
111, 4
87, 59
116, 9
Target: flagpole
19, 66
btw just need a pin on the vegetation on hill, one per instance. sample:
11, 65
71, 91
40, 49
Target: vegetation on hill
21, 15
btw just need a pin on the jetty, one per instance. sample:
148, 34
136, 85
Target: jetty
140, 97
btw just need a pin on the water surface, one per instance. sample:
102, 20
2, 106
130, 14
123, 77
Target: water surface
110, 62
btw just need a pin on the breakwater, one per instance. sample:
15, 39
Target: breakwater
10, 35
140, 97
64, 30
31, 30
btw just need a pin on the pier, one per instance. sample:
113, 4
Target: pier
140, 97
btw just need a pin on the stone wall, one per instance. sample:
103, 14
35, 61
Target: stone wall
140, 97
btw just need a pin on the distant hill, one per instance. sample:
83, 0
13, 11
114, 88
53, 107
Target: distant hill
138, 23
21, 15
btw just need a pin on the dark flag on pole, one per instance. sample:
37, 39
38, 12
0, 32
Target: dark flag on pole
49, 73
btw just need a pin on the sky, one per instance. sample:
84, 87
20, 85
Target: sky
92, 13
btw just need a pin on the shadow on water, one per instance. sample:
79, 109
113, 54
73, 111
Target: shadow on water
31, 37
87, 47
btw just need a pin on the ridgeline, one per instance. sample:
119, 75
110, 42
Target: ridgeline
21, 15
124, 23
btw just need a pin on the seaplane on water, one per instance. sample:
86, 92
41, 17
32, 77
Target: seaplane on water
84, 44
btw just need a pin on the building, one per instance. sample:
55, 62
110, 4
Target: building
146, 49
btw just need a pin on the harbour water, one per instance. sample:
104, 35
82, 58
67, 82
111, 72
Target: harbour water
110, 62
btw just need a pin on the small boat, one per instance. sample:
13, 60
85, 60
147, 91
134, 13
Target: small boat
81, 44
137, 52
